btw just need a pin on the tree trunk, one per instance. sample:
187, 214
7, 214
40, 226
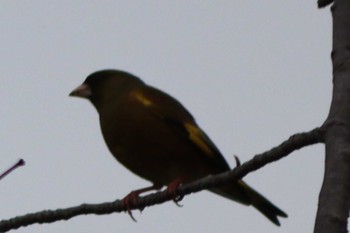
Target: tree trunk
334, 199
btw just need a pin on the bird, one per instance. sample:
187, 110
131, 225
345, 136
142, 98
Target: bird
155, 137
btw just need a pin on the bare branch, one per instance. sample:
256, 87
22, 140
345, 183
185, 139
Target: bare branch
16, 165
295, 142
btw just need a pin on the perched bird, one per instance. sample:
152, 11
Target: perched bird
154, 136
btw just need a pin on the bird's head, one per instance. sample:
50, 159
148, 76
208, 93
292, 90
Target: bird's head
104, 86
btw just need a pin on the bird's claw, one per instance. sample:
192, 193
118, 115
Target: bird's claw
131, 216
177, 199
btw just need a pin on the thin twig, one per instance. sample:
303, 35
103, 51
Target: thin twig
8, 171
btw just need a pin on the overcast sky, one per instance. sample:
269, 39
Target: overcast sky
251, 72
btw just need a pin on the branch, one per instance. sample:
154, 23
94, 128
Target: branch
295, 142
8, 171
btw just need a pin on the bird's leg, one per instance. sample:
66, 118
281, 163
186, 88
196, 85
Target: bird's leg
172, 190
131, 200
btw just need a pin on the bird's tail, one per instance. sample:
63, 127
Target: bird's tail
244, 194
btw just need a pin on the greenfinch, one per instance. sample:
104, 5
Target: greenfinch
154, 136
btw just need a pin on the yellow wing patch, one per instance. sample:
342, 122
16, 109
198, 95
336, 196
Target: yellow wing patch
141, 98
196, 136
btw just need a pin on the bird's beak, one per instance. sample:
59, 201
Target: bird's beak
82, 91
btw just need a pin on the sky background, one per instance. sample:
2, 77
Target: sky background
252, 73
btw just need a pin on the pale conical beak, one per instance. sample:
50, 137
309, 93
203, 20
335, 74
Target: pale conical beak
82, 91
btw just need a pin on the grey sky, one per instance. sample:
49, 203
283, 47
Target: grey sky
252, 73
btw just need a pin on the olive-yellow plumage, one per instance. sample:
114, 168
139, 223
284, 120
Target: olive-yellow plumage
155, 137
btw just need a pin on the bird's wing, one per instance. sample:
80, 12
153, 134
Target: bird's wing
171, 112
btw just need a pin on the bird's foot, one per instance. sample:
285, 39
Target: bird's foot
172, 191
131, 200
